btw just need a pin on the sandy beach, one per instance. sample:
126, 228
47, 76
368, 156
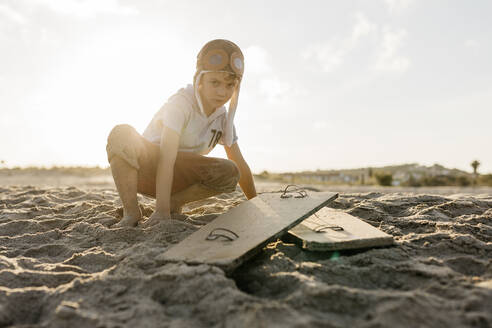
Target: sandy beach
378, 111
63, 265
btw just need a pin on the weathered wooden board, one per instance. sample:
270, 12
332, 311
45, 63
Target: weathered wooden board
256, 222
354, 234
485, 284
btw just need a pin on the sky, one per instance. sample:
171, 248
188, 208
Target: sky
327, 84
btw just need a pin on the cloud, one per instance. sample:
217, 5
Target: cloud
361, 28
274, 89
256, 60
86, 8
398, 6
261, 76
388, 58
331, 55
12, 14
384, 43
470, 43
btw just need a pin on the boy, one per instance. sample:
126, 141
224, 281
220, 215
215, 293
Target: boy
168, 161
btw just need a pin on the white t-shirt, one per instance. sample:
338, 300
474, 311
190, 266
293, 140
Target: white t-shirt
197, 132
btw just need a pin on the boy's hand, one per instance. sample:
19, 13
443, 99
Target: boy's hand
246, 181
156, 218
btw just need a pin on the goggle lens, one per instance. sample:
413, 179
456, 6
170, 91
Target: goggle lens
238, 63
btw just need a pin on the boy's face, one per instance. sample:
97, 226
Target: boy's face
216, 88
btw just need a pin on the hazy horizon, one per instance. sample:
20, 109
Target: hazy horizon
327, 85
104, 167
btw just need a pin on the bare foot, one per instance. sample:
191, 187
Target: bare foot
154, 219
127, 221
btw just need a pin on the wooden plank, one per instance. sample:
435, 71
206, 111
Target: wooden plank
355, 234
256, 222
485, 284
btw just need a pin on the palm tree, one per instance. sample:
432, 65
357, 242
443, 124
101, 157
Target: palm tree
475, 164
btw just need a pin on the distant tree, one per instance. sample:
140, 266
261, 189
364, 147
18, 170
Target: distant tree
369, 172
463, 181
412, 182
384, 179
475, 164
485, 180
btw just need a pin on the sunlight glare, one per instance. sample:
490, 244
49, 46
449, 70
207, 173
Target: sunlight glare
104, 81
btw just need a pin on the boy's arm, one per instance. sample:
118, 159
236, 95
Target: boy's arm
164, 175
246, 181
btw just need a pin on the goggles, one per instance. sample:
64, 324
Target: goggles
218, 59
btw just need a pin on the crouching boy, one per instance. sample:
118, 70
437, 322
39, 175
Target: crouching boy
167, 162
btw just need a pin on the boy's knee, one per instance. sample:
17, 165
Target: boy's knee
230, 175
121, 132
121, 143
234, 171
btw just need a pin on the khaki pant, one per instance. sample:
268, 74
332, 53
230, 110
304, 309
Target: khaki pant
217, 174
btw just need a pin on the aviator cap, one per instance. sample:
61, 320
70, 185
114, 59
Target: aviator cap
220, 55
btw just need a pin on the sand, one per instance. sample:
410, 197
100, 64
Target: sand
62, 265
